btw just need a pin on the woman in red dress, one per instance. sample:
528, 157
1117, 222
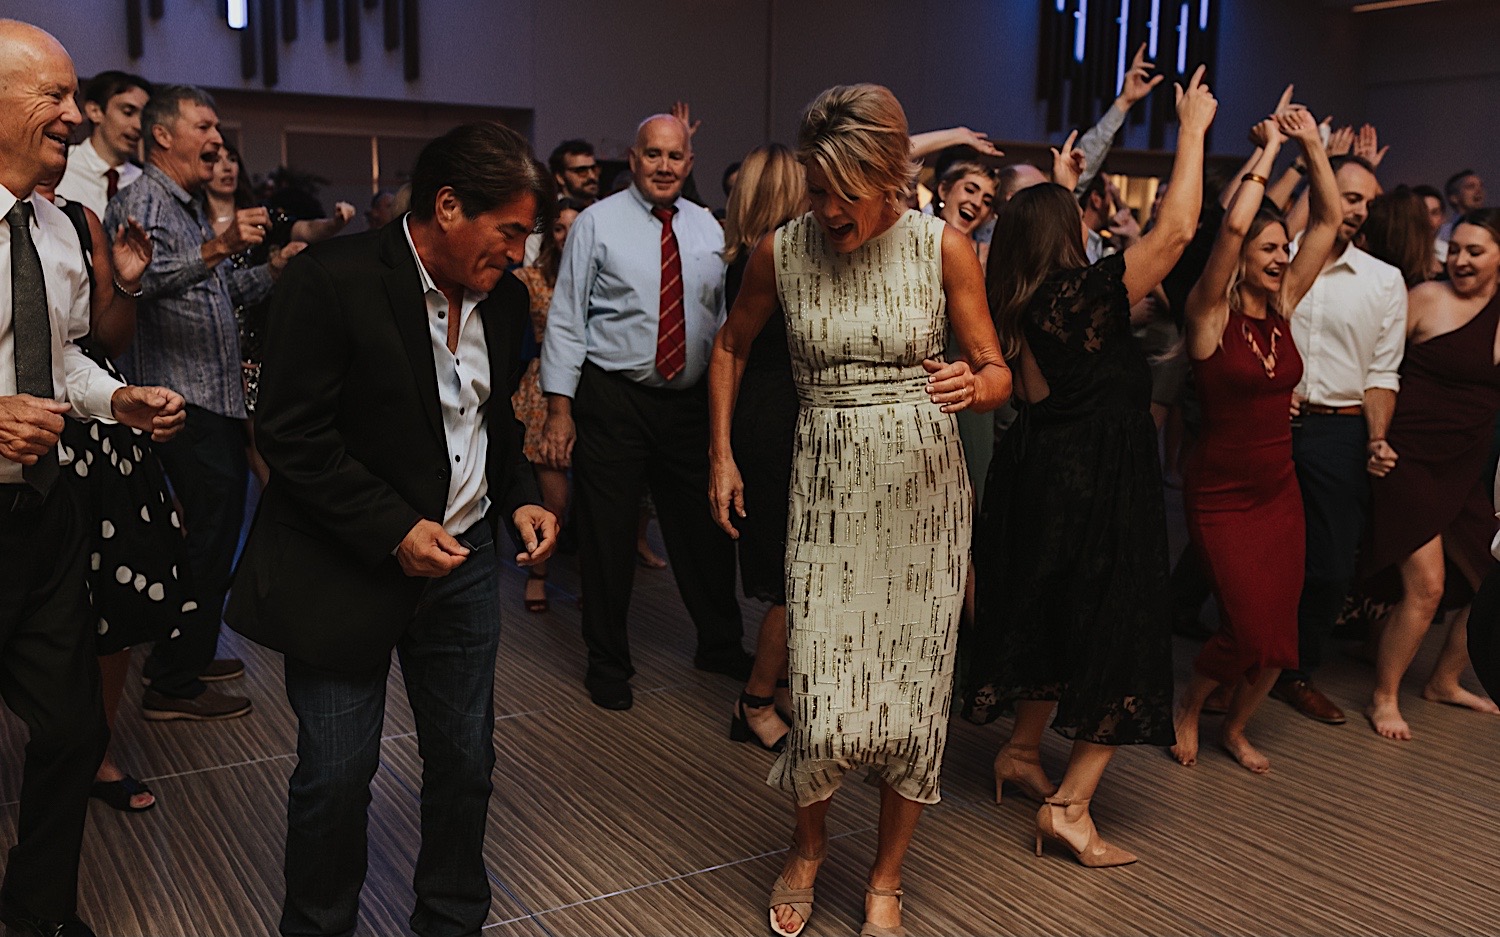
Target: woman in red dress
1244, 508
1433, 508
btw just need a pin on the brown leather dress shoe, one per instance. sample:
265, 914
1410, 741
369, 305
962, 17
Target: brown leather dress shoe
1309, 701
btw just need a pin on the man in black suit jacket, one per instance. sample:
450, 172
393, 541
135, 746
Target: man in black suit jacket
385, 416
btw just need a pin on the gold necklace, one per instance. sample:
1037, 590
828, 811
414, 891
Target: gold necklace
1267, 361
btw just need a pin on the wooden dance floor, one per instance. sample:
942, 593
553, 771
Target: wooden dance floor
652, 822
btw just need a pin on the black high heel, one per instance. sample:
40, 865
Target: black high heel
739, 725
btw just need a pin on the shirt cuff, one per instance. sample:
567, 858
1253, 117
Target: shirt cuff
94, 402
1390, 382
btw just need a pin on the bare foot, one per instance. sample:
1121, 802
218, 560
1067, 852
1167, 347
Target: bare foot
1385, 718
1246, 754
647, 557
883, 910
797, 873
1186, 749
1458, 696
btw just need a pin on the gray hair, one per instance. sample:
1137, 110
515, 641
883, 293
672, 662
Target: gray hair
165, 107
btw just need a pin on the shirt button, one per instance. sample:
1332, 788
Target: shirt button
457, 458
460, 411
442, 315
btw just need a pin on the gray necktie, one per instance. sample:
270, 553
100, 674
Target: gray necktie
32, 328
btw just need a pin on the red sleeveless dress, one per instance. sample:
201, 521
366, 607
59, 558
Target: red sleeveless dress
1244, 507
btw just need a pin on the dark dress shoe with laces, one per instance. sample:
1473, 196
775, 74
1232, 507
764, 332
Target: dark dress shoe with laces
21, 925
1307, 700
616, 696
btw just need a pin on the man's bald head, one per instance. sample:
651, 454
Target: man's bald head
37, 110
1019, 176
661, 159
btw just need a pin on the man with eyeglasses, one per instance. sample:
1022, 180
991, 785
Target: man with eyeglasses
575, 171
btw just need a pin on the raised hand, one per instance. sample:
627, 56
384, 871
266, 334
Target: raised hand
131, 253
682, 112
1138, 79
1340, 141
1367, 145
1299, 125
1068, 164
1285, 102
1267, 134
1196, 105
963, 136
343, 213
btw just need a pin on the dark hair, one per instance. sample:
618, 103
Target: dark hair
1349, 159
574, 147
1427, 191
1396, 231
1037, 233
104, 86
549, 258
244, 193
486, 165
1486, 218
729, 170
1450, 188
165, 107
1096, 186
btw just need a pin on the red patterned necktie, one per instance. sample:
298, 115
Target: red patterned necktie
113, 177
671, 329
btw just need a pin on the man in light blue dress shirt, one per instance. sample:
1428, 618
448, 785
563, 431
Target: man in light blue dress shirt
640, 422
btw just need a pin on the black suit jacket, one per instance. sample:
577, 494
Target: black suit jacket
348, 420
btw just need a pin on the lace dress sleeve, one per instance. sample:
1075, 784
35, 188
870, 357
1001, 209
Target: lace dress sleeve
1084, 309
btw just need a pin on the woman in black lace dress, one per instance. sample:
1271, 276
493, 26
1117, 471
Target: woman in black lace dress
1070, 549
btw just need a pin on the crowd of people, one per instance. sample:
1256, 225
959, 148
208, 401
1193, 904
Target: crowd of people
919, 428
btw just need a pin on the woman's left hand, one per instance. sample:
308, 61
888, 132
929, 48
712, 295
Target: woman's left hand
950, 385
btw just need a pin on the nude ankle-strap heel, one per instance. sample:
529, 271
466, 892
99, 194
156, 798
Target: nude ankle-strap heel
875, 930
1095, 854
1009, 769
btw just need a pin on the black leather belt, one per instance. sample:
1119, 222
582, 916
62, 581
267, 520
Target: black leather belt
19, 498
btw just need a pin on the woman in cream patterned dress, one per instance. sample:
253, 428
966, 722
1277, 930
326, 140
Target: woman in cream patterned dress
878, 536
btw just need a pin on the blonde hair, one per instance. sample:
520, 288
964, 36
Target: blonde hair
770, 188
1263, 219
857, 135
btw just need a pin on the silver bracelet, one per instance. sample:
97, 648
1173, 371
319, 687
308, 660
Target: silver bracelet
126, 293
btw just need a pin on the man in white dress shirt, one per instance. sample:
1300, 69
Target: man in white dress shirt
1351, 331
102, 165
48, 674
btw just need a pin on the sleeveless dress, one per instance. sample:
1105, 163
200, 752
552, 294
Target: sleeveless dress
878, 533
1070, 551
1442, 431
528, 402
1244, 506
764, 425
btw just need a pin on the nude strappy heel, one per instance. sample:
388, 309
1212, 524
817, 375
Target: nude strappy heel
1006, 772
875, 930
799, 899
1096, 853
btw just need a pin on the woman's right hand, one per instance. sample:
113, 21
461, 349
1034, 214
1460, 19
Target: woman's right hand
1267, 134
726, 490
1195, 104
1299, 125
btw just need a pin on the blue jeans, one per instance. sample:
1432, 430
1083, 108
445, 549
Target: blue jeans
448, 660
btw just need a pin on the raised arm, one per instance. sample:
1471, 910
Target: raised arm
1207, 312
1097, 140
1150, 259
931, 141
118, 267
753, 308
1325, 214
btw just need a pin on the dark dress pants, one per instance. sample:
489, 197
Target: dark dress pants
631, 437
207, 468
49, 677
1329, 452
448, 662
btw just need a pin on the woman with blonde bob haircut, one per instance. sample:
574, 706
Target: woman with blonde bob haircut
878, 538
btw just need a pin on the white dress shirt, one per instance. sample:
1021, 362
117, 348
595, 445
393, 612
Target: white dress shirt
463, 380
76, 379
1351, 330
85, 182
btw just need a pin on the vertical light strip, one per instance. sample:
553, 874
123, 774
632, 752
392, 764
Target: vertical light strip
1080, 31
1124, 38
238, 14
1155, 26
1203, 15
1182, 34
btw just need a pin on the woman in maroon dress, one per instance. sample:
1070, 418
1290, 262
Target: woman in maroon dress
1244, 508
1434, 507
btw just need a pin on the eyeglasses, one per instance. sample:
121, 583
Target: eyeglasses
589, 170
